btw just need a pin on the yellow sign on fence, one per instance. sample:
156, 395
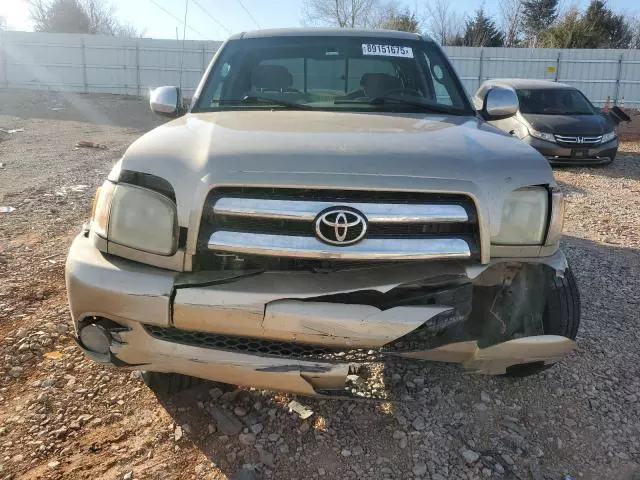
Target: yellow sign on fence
551, 69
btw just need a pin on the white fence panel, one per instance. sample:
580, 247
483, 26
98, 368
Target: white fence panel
630, 79
89, 63
466, 61
110, 68
600, 73
592, 71
42, 61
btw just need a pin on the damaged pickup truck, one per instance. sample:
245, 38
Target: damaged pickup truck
329, 199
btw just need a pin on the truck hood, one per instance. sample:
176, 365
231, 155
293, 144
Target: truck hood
394, 151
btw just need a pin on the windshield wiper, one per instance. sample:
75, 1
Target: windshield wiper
417, 102
414, 102
254, 100
272, 101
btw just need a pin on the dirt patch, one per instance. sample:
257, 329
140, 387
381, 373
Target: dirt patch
63, 416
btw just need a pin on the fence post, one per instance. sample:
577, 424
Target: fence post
204, 59
557, 67
480, 67
138, 67
3, 61
84, 66
615, 97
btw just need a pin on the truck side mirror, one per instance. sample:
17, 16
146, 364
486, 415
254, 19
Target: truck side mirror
500, 103
166, 101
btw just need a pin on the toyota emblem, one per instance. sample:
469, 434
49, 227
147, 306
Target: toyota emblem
339, 226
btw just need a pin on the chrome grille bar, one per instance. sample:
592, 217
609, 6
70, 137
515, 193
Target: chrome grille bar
312, 248
304, 210
579, 140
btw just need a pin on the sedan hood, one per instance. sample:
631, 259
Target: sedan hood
394, 151
586, 125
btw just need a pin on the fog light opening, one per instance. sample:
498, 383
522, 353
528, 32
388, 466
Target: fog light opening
95, 338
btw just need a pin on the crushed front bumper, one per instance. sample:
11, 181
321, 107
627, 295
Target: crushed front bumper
305, 332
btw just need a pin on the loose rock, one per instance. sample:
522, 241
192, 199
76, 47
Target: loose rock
469, 455
247, 438
226, 422
419, 469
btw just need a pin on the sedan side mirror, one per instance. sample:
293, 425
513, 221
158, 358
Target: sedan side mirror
166, 101
500, 103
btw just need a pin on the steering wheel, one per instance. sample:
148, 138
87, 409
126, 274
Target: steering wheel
405, 91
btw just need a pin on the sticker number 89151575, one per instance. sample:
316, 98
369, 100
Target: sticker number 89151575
386, 50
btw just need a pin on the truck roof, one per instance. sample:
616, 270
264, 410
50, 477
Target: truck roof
329, 32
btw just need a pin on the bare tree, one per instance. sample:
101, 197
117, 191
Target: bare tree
634, 23
350, 13
511, 21
442, 22
129, 31
78, 16
101, 17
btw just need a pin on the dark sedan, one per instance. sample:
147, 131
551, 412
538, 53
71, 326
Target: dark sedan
557, 120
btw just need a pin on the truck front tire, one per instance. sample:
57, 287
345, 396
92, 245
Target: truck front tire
167, 384
561, 317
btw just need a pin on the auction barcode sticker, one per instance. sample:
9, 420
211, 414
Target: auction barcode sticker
386, 50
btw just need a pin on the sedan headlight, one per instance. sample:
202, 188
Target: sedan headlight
607, 137
542, 135
136, 217
524, 217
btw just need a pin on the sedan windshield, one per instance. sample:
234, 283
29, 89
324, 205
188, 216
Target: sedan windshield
555, 101
333, 73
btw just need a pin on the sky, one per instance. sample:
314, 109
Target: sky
215, 19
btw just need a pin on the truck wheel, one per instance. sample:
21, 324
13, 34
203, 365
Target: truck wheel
561, 317
167, 384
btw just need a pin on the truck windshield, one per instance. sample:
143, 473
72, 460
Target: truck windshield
332, 73
554, 101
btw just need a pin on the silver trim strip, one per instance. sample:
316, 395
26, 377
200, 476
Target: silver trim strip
312, 248
309, 210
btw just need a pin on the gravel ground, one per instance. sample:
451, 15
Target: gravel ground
63, 416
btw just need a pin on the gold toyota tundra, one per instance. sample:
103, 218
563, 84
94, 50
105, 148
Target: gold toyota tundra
329, 199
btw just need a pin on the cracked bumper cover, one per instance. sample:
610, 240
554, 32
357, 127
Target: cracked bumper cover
278, 306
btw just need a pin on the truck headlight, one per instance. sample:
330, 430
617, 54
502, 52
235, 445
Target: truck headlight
136, 217
607, 137
542, 135
524, 217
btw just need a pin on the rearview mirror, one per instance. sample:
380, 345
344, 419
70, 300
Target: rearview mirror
166, 101
500, 103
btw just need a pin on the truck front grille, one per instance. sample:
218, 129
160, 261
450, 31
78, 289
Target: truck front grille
276, 228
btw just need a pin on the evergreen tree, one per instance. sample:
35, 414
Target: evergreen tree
607, 30
599, 27
481, 31
538, 16
569, 32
